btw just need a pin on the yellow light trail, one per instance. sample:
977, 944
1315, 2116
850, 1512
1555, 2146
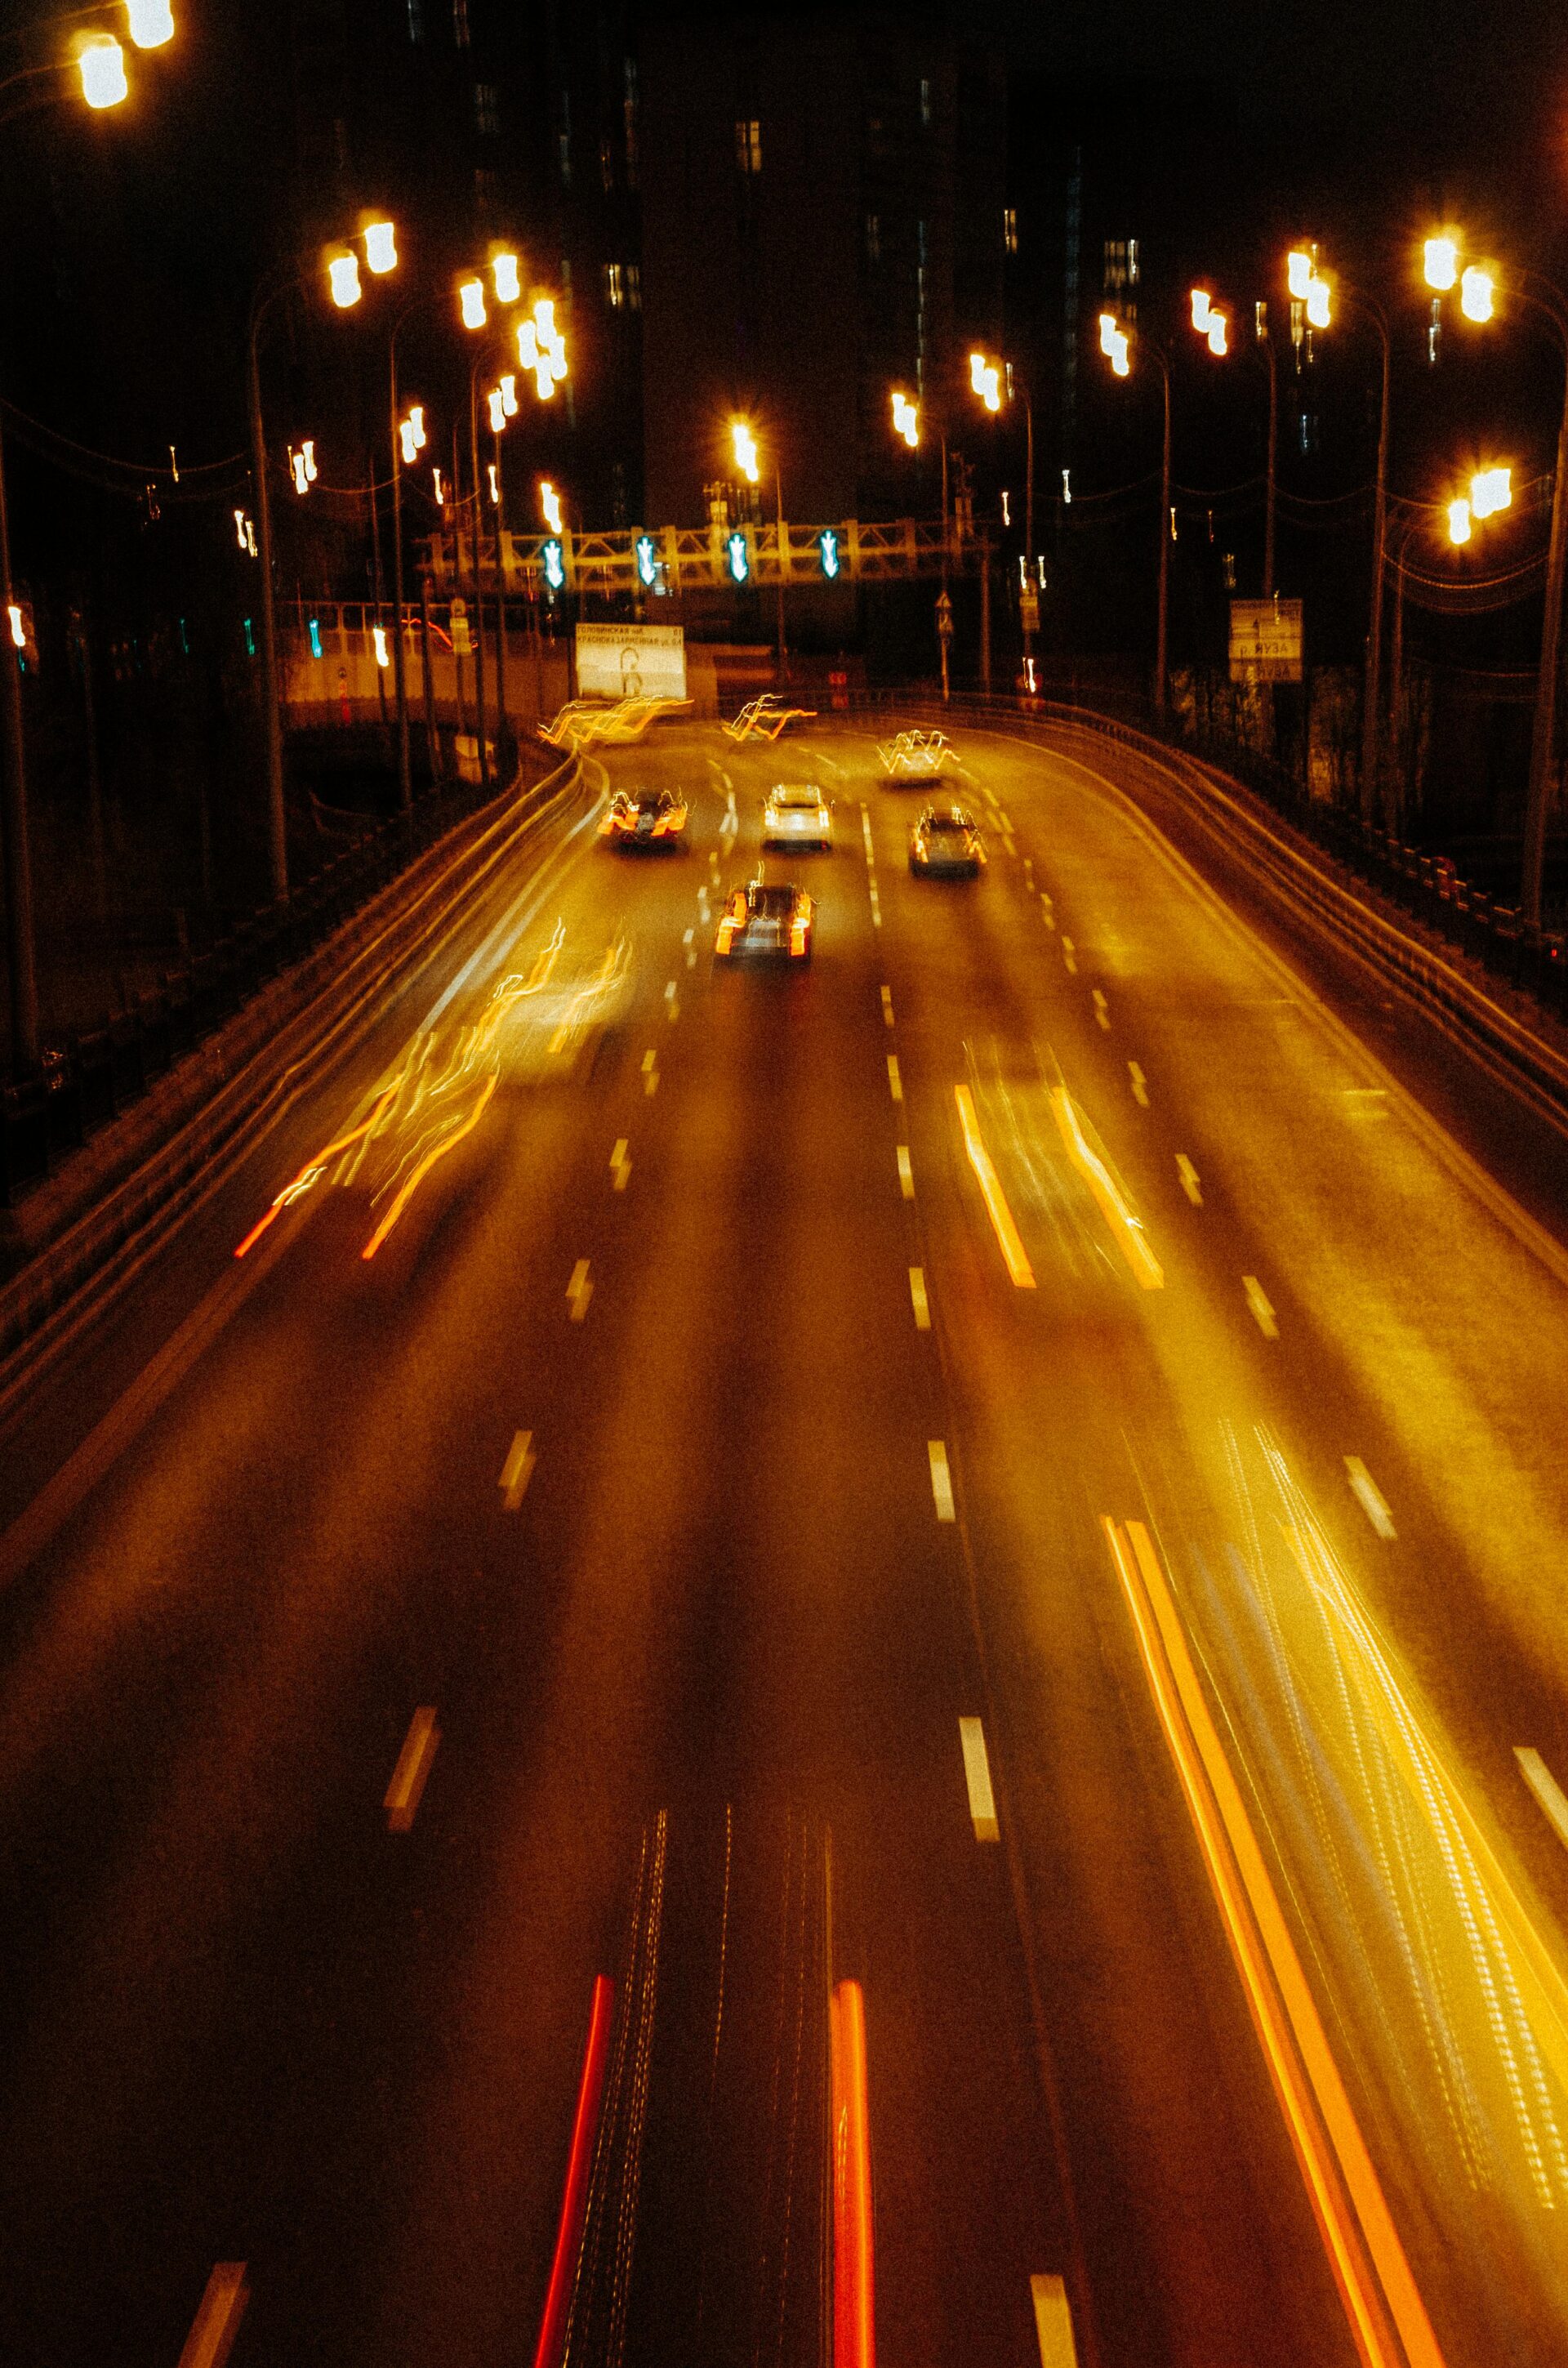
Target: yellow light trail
1131, 1239
439, 1150
312, 1168
1369, 2260
1008, 1239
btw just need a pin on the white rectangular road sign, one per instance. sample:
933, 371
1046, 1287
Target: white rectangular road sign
630, 662
1265, 641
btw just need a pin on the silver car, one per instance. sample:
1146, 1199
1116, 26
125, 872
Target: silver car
796, 813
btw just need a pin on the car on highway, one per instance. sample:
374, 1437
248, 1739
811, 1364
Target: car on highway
797, 813
766, 919
644, 817
917, 756
947, 841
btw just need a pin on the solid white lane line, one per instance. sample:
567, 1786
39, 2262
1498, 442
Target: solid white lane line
1370, 1496
1189, 1175
918, 1294
1068, 956
1545, 1787
1101, 1012
579, 1291
895, 1082
977, 1777
1139, 1083
218, 2316
619, 1165
1258, 1303
518, 1470
887, 1004
905, 1173
1053, 2323
941, 1479
407, 1786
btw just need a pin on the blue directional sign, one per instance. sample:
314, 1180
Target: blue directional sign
554, 564
647, 561
739, 557
315, 637
827, 543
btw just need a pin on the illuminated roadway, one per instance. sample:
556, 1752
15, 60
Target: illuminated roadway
628, 1455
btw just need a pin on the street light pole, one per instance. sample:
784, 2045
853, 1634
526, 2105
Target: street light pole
478, 571
1266, 341
1538, 796
400, 663
14, 822
1161, 667
276, 818
779, 554
1371, 717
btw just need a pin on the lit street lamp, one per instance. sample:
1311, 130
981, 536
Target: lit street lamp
986, 377
1311, 290
1477, 283
1116, 344
99, 62
343, 279
744, 445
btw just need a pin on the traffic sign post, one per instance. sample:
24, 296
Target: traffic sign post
1265, 641
944, 633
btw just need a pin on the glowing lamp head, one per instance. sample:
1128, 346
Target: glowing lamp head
1491, 490
1458, 519
1119, 360
1477, 289
1440, 262
498, 412
408, 442
297, 466
308, 455
19, 625
470, 303
417, 421
744, 446
1299, 273
1201, 309
379, 635
380, 247
151, 23
986, 380
1218, 343
507, 390
102, 65
440, 489
549, 505
527, 346
343, 279
907, 419
1110, 329
494, 475
504, 274
1319, 310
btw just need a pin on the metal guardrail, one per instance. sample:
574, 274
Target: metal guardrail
1423, 888
87, 1077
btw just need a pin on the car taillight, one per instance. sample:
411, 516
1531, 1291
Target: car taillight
797, 936
726, 936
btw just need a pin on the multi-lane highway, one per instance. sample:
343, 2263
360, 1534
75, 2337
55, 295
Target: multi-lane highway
1016, 1467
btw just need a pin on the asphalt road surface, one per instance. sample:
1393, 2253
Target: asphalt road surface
679, 1553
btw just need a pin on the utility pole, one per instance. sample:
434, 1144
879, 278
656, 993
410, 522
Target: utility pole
272, 716
14, 820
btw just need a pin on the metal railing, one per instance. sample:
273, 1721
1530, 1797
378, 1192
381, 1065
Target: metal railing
1424, 888
88, 1076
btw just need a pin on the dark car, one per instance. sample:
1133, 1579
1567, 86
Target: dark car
759, 920
945, 839
644, 818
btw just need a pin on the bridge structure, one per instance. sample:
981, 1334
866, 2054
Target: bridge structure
646, 560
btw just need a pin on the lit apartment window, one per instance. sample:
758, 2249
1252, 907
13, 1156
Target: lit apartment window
606, 165
873, 238
1120, 265
630, 114
459, 23
924, 103
615, 287
748, 145
1010, 229
487, 108
563, 140
634, 286
416, 21
486, 190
